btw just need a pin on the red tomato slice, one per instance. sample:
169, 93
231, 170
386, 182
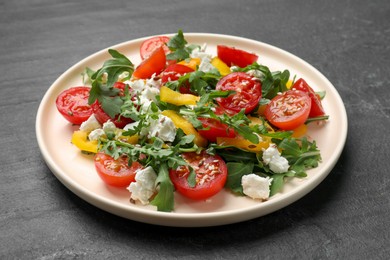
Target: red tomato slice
102, 116
247, 96
215, 129
174, 72
232, 56
211, 175
316, 105
288, 110
154, 64
73, 104
152, 44
116, 172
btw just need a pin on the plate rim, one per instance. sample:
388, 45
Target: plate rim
204, 219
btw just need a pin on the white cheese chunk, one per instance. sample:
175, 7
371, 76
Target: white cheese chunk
163, 128
276, 162
144, 186
96, 134
90, 124
205, 59
255, 186
109, 126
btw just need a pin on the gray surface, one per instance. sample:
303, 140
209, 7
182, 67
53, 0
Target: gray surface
346, 216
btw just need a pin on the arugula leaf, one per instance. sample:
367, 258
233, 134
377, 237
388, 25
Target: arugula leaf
105, 93
277, 183
179, 48
177, 45
111, 105
272, 82
164, 200
235, 172
300, 153
87, 76
114, 68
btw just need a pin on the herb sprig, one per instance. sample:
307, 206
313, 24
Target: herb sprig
105, 93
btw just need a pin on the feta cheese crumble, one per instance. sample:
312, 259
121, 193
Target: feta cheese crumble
205, 59
90, 124
109, 126
255, 186
276, 162
144, 186
163, 128
96, 134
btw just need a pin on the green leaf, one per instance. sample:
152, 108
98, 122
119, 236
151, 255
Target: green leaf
164, 200
114, 67
106, 94
235, 172
111, 105
277, 183
177, 45
87, 76
191, 179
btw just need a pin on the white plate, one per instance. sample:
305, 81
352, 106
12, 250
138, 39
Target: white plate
76, 171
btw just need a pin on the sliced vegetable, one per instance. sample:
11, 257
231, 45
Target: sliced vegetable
210, 176
73, 105
232, 56
116, 173
289, 110
80, 140
173, 97
154, 64
186, 126
247, 92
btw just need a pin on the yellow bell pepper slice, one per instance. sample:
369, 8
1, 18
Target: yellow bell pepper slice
193, 63
258, 121
186, 126
289, 84
221, 66
80, 140
299, 131
133, 139
242, 143
173, 97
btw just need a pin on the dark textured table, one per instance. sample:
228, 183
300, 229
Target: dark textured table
346, 216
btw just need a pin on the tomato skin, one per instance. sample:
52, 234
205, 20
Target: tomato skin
174, 72
150, 45
288, 110
153, 64
211, 166
215, 129
73, 105
115, 172
247, 96
316, 105
103, 117
232, 56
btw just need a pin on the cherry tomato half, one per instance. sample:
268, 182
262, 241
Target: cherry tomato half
153, 64
232, 56
174, 72
115, 172
316, 105
214, 129
248, 92
103, 117
211, 175
72, 103
152, 44
288, 110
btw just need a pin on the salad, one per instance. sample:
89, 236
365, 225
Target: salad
189, 122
